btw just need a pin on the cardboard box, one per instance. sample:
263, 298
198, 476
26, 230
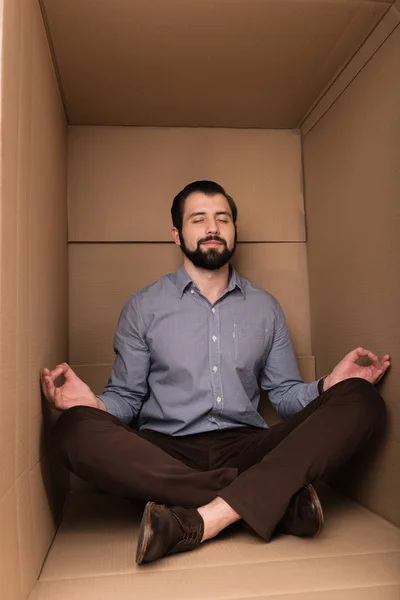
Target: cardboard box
107, 110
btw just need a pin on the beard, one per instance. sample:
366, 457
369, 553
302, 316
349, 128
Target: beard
210, 258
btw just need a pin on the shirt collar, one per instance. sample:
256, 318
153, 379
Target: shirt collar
183, 281
235, 281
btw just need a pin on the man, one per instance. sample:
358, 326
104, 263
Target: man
191, 350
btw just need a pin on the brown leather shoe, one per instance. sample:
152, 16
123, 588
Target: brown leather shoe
304, 516
166, 531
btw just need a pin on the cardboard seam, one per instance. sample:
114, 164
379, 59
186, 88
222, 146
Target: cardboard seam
54, 59
216, 566
77, 242
145, 573
57, 527
350, 82
341, 68
313, 592
340, 72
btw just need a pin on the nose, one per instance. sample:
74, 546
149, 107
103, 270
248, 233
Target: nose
212, 227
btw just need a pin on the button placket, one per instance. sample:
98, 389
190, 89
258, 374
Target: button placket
215, 361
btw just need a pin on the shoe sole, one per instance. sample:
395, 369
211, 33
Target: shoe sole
145, 532
318, 507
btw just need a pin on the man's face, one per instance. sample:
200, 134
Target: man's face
208, 236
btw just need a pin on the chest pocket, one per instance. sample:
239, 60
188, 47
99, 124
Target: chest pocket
250, 342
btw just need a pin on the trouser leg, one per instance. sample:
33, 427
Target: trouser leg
99, 448
299, 451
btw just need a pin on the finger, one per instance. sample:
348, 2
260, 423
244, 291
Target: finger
48, 381
383, 364
58, 399
45, 381
43, 373
376, 366
379, 373
59, 370
360, 352
383, 360
65, 370
68, 372
373, 357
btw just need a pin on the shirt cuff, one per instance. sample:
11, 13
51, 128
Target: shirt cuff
313, 390
115, 407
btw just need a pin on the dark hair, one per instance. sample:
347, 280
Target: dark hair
209, 188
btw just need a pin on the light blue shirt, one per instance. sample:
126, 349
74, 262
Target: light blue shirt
184, 366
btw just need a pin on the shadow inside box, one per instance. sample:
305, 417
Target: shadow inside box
330, 500
99, 508
96, 511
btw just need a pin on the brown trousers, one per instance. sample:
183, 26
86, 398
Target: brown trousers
256, 471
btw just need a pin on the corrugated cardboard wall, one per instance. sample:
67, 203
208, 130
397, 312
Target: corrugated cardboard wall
352, 175
226, 63
33, 280
121, 183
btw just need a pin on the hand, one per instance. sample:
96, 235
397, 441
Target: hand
348, 368
74, 391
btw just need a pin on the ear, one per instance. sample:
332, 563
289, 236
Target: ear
175, 236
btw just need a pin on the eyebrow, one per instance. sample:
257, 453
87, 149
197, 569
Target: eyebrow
202, 213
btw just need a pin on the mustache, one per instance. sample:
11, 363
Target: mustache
211, 238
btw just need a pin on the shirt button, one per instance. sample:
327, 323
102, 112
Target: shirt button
213, 310
192, 291
215, 369
219, 399
214, 338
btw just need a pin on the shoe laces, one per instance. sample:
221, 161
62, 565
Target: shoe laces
191, 535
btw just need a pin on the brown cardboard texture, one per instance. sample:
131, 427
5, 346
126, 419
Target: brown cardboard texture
108, 109
33, 272
142, 169
353, 184
150, 63
237, 563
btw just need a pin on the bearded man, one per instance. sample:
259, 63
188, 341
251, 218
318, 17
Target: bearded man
190, 353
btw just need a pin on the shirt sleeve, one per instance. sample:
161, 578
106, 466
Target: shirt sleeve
281, 377
127, 387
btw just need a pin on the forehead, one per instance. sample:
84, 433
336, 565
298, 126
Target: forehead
199, 202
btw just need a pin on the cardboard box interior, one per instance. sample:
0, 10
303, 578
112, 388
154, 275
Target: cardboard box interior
105, 114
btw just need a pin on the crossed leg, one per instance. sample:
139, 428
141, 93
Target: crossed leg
274, 464
253, 478
99, 448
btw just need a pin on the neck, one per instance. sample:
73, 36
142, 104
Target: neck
210, 283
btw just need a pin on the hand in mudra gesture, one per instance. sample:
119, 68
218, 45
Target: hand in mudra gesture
73, 392
348, 368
